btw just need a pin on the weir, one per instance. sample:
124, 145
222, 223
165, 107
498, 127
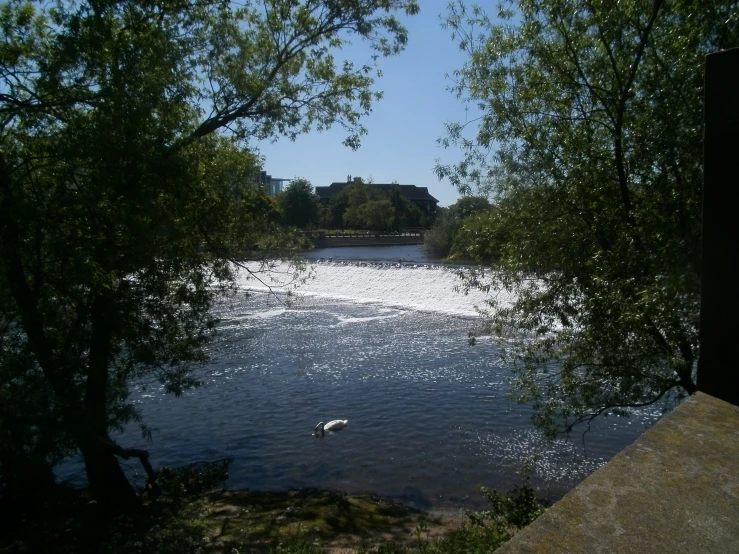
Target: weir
335, 239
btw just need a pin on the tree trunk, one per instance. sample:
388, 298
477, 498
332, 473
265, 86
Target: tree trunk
106, 480
89, 426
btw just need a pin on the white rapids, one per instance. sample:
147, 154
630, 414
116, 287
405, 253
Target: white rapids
412, 286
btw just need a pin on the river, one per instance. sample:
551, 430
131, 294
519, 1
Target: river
381, 343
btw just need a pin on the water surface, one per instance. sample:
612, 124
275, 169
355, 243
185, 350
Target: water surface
428, 415
405, 253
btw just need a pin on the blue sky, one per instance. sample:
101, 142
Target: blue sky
403, 127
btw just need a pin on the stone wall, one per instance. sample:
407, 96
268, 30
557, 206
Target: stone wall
676, 489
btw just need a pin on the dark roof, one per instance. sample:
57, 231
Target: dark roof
411, 192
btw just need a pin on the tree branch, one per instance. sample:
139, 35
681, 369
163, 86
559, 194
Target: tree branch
143, 457
594, 414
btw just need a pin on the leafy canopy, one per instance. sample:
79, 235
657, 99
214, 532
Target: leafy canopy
589, 140
361, 205
125, 193
299, 204
454, 235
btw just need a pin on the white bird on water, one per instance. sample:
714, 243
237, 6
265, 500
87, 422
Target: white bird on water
332, 426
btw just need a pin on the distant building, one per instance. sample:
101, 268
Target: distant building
273, 185
418, 195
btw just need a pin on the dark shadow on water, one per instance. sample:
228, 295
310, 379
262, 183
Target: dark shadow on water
408, 254
414, 497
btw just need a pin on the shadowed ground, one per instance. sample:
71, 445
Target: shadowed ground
335, 520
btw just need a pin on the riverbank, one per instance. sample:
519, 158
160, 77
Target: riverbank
333, 521
307, 521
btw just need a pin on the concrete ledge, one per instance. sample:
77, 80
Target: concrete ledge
676, 489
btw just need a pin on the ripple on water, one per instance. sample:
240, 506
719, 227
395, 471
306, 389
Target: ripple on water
429, 418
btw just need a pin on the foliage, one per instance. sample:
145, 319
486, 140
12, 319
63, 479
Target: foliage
468, 206
377, 215
486, 530
366, 207
443, 240
296, 545
438, 240
479, 239
468, 539
350, 198
193, 479
518, 508
299, 204
405, 212
125, 202
29, 445
589, 139
175, 529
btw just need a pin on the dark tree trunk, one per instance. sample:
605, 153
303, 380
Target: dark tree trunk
88, 423
106, 480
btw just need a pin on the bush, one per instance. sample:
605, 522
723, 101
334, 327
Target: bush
193, 479
486, 530
518, 508
438, 240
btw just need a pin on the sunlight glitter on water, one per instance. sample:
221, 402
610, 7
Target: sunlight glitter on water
385, 347
428, 415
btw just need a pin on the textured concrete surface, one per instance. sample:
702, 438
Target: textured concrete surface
676, 489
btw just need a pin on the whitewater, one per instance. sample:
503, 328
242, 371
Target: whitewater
420, 287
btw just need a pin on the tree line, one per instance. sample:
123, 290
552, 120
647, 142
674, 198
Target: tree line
357, 206
454, 235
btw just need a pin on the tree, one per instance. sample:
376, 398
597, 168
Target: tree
442, 239
361, 206
29, 445
469, 205
590, 141
377, 215
354, 194
299, 204
437, 241
349, 200
479, 238
406, 213
125, 202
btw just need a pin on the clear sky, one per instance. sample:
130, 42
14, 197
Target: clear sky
403, 127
